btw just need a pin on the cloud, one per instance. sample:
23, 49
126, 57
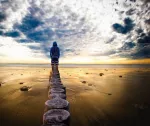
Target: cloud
141, 52
128, 26
10, 49
147, 21
29, 23
127, 46
81, 28
130, 12
144, 39
13, 34
2, 16
14, 11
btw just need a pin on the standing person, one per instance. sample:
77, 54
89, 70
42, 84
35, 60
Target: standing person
54, 54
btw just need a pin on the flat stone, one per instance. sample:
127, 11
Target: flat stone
56, 83
55, 95
58, 86
57, 103
56, 117
57, 90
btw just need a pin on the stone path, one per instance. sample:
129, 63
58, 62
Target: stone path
56, 107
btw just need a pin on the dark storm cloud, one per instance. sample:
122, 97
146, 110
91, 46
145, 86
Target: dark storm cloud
2, 16
23, 40
128, 26
28, 27
146, 1
133, 0
127, 46
13, 34
1, 33
130, 12
28, 24
41, 35
4, 1
144, 39
141, 52
139, 31
147, 21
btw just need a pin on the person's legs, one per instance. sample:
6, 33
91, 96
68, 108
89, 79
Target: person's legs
57, 68
52, 65
55, 65
57, 62
53, 68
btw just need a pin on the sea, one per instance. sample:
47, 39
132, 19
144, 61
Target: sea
77, 65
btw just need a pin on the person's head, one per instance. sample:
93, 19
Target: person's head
54, 43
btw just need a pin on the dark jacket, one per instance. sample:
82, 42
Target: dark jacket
54, 51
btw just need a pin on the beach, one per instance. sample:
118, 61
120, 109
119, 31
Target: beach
98, 96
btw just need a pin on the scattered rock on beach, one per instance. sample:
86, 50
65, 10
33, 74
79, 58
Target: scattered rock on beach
84, 82
21, 83
120, 76
87, 73
25, 88
101, 74
21, 74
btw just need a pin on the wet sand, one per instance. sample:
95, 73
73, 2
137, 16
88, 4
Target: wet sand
107, 100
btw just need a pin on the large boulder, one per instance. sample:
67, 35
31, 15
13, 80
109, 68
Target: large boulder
56, 117
57, 103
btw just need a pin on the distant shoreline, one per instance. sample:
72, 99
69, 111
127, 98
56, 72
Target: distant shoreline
77, 65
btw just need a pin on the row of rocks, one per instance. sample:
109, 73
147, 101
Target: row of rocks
57, 107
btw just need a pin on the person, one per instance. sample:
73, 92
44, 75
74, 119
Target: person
54, 54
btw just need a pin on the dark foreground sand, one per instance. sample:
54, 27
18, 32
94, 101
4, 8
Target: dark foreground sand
95, 100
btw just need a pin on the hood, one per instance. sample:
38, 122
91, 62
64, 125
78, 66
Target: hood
54, 43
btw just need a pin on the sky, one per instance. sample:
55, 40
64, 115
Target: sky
86, 31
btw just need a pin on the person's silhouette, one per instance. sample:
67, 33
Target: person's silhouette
54, 54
